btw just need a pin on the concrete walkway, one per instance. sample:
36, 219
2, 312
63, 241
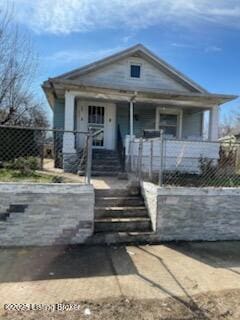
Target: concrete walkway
53, 274
98, 182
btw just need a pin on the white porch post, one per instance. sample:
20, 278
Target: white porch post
213, 123
131, 120
69, 138
131, 133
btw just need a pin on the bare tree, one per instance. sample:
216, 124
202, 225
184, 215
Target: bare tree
18, 64
230, 124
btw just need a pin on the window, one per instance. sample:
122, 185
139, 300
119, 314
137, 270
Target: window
169, 124
135, 71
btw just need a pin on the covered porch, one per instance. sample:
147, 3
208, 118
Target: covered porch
187, 116
126, 116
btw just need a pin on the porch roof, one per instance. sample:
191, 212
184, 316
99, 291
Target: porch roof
55, 88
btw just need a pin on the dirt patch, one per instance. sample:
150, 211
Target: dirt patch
222, 305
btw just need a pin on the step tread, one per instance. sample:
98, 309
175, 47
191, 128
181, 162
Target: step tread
114, 208
119, 198
120, 219
104, 173
125, 233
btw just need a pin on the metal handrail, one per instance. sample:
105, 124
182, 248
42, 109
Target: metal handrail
121, 149
96, 133
90, 137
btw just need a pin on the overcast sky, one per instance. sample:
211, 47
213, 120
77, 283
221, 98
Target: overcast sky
201, 38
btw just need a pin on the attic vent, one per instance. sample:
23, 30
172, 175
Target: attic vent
135, 71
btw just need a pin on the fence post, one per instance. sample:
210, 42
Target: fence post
140, 154
151, 161
42, 156
161, 158
89, 158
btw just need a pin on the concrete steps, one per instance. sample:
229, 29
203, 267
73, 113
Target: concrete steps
105, 163
125, 212
123, 238
122, 224
118, 213
107, 168
104, 173
128, 201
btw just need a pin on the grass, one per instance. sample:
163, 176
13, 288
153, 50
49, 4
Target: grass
10, 175
188, 180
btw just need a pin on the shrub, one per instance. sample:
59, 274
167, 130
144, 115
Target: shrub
25, 165
207, 167
57, 179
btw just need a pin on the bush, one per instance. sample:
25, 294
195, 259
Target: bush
57, 179
26, 166
207, 167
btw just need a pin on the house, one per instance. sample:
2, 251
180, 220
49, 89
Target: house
129, 95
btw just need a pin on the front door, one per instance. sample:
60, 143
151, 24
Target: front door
96, 121
97, 115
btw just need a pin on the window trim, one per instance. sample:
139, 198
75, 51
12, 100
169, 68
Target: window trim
136, 63
136, 66
167, 110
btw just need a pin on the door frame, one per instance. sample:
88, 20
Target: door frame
109, 121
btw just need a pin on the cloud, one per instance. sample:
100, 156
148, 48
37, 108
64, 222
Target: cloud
183, 45
213, 49
80, 56
67, 16
210, 48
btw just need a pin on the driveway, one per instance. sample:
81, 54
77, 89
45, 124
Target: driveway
181, 271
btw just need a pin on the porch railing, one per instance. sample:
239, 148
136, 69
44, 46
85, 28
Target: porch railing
185, 162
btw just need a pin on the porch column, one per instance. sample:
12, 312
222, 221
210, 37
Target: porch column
68, 137
131, 119
213, 123
131, 105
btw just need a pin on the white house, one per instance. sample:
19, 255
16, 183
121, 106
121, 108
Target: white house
134, 94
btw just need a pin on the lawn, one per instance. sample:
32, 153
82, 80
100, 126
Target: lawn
10, 175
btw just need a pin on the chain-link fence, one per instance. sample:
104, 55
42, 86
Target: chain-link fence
54, 150
185, 162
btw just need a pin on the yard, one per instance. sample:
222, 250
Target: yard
27, 169
9, 175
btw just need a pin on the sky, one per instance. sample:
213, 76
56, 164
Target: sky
201, 38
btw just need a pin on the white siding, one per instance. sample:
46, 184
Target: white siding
118, 74
178, 155
192, 125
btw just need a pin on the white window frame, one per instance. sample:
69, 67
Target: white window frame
136, 63
166, 110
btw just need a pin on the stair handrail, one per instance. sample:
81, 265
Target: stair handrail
84, 153
120, 148
89, 140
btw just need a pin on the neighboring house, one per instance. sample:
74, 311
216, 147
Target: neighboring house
129, 95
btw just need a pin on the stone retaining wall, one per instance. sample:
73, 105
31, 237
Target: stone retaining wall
196, 213
45, 214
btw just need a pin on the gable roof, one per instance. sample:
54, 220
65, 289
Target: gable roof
143, 52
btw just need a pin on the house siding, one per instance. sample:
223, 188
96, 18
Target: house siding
146, 114
144, 118
58, 117
192, 125
118, 74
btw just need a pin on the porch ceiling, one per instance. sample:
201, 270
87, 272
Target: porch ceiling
56, 88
